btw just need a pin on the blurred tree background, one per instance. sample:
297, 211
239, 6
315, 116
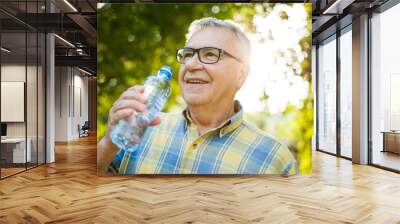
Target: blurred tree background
135, 40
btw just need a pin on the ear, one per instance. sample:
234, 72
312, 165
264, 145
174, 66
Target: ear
243, 73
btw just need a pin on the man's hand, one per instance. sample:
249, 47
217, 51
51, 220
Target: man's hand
130, 102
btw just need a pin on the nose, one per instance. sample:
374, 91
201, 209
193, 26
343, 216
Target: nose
194, 63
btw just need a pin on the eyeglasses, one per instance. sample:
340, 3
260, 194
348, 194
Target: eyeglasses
207, 55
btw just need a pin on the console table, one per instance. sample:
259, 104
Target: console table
391, 141
13, 150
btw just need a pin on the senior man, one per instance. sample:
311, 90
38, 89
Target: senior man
210, 135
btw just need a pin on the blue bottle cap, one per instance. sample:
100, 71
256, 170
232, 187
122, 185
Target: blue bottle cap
165, 72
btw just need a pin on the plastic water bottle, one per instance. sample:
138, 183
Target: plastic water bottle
128, 133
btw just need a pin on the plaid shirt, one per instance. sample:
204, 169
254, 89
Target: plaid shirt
175, 147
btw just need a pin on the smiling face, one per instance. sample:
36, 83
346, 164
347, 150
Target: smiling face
212, 84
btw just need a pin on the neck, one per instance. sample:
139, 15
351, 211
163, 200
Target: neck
207, 117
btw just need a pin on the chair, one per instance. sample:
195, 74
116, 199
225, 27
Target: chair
84, 130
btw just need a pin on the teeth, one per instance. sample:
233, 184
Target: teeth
196, 81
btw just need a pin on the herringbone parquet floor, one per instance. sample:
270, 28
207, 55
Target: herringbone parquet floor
69, 191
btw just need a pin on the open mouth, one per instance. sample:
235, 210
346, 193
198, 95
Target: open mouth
196, 81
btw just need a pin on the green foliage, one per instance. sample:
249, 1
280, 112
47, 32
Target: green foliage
135, 40
298, 131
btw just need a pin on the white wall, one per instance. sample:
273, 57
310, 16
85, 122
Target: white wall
12, 101
14, 73
61, 103
71, 94
80, 110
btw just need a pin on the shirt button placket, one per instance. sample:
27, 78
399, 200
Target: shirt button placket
195, 144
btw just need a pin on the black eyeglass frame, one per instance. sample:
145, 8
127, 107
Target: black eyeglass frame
220, 52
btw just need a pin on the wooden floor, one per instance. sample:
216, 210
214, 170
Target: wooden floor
10, 171
5, 172
69, 191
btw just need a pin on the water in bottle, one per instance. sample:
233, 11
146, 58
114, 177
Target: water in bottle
127, 133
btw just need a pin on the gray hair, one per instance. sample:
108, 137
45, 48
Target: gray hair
203, 23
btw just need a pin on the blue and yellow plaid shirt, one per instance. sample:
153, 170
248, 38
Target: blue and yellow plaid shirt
175, 147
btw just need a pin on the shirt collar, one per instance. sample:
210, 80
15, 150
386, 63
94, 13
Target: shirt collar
226, 127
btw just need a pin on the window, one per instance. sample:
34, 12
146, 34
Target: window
23, 76
346, 93
327, 96
385, 89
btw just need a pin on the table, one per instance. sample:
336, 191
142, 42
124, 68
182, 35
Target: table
13, 150
391, 141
